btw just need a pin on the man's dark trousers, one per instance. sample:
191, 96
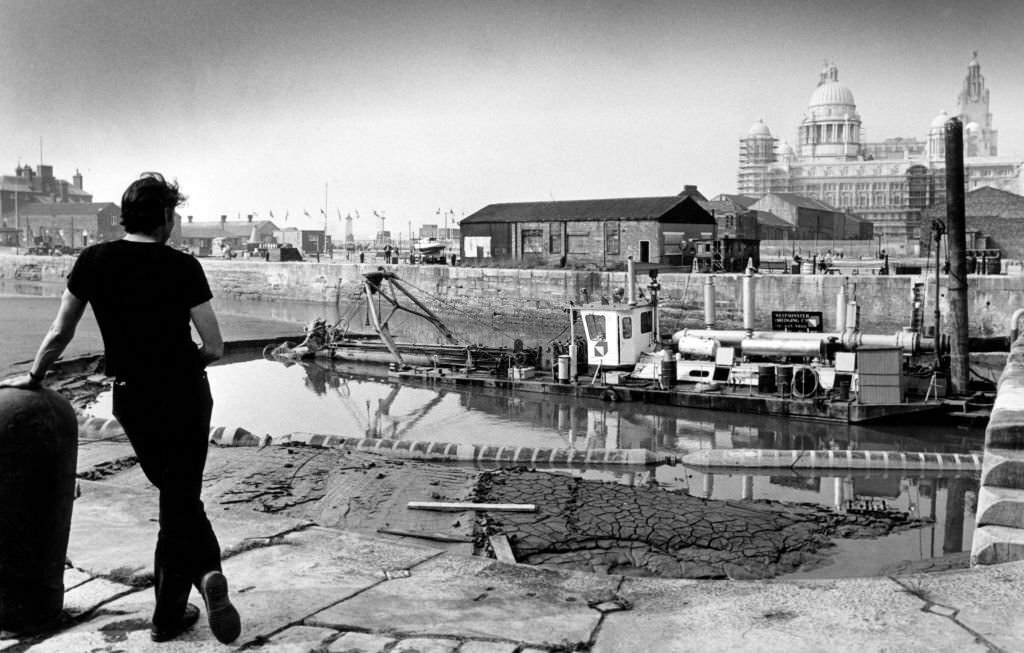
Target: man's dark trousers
167, 421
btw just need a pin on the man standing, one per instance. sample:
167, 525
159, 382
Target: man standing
144, 296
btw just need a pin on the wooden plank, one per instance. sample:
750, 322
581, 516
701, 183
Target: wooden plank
458, 506
502, 549
437, 537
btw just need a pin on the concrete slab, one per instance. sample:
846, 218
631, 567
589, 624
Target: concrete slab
114, 527
987, 600
426, 645
478, 597
74, 577
360, 643
280, 585
123, 625
297, 639
89, 596
488, 647
97, 457
849, 615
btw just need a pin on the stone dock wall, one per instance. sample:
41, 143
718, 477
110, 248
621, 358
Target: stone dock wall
999, 531
885, 301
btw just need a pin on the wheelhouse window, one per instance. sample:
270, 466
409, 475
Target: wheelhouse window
597, 329
646, 322
627, 328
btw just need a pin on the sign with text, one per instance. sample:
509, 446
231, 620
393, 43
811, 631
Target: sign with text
805, 321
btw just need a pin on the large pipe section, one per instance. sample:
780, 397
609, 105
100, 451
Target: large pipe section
956, 241
709, 302
841, 307
748, 301
789, 343
630, 281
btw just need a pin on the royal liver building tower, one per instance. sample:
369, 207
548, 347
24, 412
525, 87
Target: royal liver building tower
887, 182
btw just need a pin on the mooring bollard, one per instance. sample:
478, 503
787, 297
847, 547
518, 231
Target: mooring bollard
38, 455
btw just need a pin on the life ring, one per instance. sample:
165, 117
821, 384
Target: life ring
610, 395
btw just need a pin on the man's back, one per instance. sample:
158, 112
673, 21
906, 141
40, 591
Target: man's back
141, 294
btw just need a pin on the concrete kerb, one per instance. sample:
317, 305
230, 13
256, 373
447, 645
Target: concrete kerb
999, 532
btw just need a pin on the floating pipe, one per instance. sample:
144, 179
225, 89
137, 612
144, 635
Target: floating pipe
103, 428
709, 302
802, 459
906, 339
1015, 324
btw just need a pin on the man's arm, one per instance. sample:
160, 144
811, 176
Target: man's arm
54, 342
205, 321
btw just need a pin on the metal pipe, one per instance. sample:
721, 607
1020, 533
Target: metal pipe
630, 272
762, 347
956, 242
907, 339
748, 301
841, 307
709, 302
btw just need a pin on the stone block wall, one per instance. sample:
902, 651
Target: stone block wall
999, 531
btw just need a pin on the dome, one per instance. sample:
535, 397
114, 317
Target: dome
940, 120
759, 129
786, 149
831, 93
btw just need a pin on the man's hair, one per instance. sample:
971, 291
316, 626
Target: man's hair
144, 202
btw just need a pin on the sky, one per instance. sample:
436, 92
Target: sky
426, 111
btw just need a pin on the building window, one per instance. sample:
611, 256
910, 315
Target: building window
555, 240
578, 243
533, 241
646, 322
611, 238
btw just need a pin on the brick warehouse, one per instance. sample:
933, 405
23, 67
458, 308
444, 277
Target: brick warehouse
577, 233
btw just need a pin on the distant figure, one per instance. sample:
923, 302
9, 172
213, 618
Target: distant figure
362, 257
453, 260
145, 297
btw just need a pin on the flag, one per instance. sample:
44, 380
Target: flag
339, 213
357, 214
306, 213
271, 214
286, 216
438, 212
323, 212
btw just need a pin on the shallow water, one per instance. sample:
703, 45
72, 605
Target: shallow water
360, 401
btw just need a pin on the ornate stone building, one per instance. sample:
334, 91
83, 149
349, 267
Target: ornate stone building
888, 183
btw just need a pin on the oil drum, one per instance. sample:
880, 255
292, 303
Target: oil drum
38, 454
765, 379
668, 373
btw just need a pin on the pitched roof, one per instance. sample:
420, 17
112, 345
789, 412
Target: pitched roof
769, 219
804, 202
985, 201
741, 200
625, 208
65, 208
227, 229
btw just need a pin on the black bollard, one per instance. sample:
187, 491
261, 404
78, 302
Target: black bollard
38, 455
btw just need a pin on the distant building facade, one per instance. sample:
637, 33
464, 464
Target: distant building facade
214, 238
994, 222
37, 194
888, 183
601, 233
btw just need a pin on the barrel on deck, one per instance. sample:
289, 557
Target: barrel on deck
668, 373
563, 368
38, 455
766, 379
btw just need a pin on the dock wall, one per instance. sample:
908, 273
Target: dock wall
999, 531
885, 301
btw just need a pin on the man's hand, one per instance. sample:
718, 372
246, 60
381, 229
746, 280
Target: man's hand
24, 382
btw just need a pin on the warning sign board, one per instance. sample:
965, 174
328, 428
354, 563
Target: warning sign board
805, 321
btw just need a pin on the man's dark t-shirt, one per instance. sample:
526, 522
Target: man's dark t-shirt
141, 294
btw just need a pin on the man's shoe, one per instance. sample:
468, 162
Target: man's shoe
223, 616
188, 619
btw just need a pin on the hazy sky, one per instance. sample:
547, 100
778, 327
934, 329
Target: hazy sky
405, 108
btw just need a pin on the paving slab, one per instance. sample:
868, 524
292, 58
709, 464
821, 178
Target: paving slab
297, 639
477, 597
845, 615
89, 596
360, 643
278, 586
988, 600
123, 626
488, 647
426, 645
114, 528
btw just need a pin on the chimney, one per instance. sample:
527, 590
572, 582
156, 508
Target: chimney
250, 218
223, 219
190, 219
77, 179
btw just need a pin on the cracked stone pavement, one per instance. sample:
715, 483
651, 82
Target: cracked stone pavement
317, 576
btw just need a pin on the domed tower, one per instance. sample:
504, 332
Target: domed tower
831, 127
936, 147
757, 154
972, 106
